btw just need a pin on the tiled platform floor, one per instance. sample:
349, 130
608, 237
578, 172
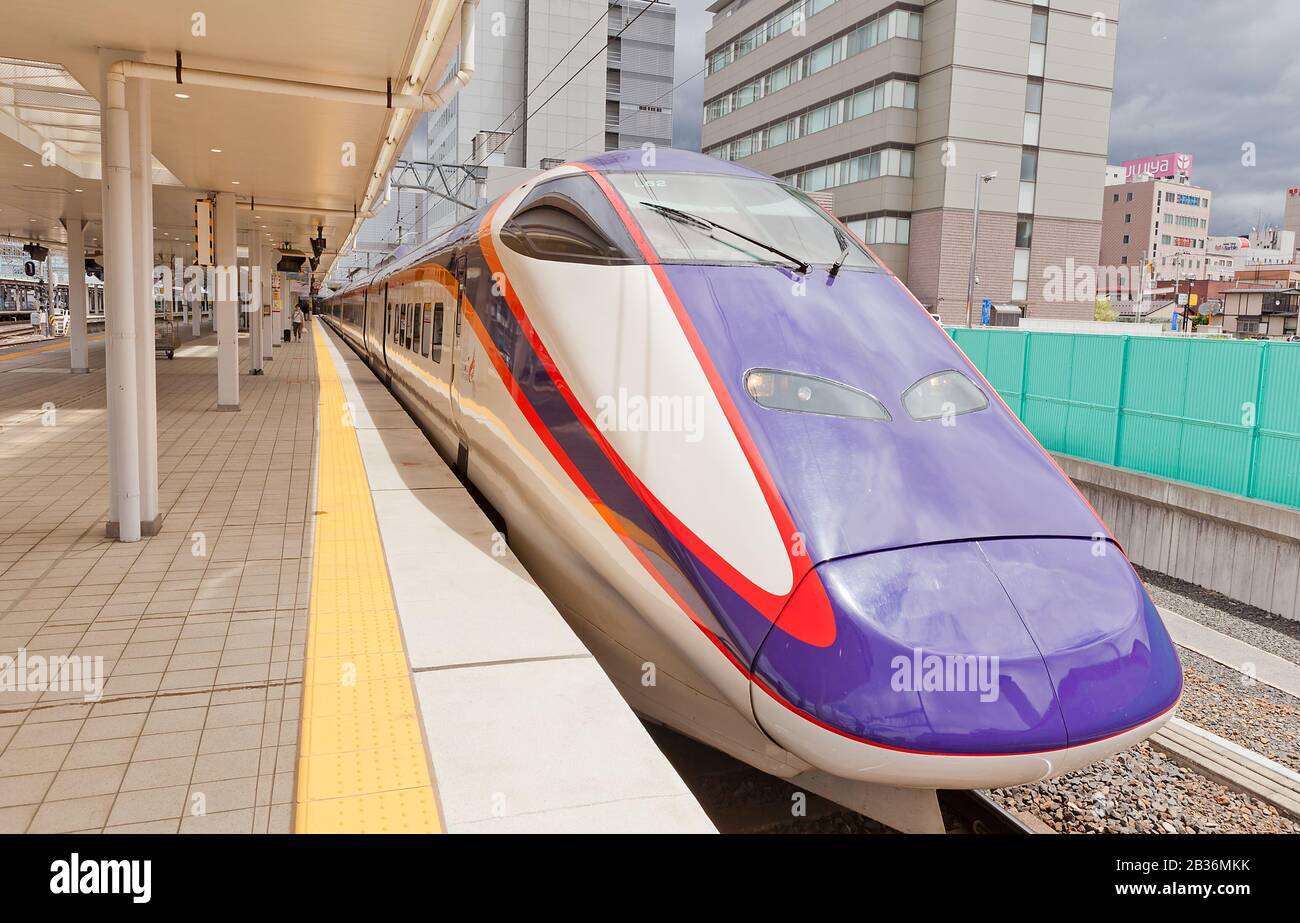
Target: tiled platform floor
201, 627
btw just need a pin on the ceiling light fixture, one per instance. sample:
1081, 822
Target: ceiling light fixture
181, 95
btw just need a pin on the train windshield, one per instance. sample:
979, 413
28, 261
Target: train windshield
771, 215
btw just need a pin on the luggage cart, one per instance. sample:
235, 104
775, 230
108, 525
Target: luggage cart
164, 336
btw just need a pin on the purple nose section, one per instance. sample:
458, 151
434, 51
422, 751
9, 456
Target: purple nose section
1112, 662
1005, 646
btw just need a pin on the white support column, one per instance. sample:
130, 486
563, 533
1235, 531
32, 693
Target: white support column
253, 306
266, 321
195, 301
49, 294
119, 314
226, 315
137, 100
76, 228
175, 295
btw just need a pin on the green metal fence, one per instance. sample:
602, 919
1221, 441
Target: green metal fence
1223, 414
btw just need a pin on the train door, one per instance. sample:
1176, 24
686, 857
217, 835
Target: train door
463, 370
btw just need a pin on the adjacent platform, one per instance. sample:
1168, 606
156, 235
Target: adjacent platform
200, 628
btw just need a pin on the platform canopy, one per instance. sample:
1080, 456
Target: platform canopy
264, 147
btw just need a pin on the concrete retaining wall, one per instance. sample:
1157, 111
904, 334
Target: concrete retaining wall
1245, 549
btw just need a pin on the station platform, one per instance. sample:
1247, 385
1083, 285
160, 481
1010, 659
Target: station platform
326, 635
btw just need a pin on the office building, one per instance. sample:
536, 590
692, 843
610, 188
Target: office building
1163, 223
896, 109
534, 101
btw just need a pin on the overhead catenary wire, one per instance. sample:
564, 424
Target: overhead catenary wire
627, 25
432, 201
547, 76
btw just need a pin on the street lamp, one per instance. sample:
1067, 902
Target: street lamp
980, 180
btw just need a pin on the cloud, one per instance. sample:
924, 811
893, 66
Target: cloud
1208, 79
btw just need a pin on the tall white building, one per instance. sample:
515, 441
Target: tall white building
534, 100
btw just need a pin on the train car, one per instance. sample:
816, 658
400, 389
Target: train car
768, 491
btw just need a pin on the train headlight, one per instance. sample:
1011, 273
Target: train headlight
943, 394
793, 391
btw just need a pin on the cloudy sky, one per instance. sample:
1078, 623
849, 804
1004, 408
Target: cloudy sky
1205, 78
1199, 76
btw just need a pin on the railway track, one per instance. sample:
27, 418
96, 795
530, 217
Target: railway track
741, 799
976, 812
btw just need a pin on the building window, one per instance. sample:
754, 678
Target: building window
1129, 198
1128, 218
882, 229
886, 162
1026, 203
1115, 197
882, 95
1037, 42
1029, 165
891, 24
1125, 238
1024, 231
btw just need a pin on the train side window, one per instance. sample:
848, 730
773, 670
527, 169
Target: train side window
417, 326
410, 323
438, 312
570, 220
426, 337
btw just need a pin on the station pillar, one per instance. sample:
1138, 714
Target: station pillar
137, 101
119, 311
253, 306
268, 332
195, 299
79, 361
226, 314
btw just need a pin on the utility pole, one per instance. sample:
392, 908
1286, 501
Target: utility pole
980, 180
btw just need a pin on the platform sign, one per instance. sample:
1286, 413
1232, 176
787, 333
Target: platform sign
1182, 298
1195, 299
986, 309
203, 236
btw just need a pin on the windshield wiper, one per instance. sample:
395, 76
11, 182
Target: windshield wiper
705, 224
844, 252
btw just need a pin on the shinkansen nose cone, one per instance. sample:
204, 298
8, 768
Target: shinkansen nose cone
856, 485
1010, 646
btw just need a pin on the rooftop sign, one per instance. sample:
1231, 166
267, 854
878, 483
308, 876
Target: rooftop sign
1161, 166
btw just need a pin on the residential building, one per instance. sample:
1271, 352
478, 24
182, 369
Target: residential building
896, 109
1264, 302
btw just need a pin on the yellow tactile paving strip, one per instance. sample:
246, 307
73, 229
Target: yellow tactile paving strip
362, 765
44, 349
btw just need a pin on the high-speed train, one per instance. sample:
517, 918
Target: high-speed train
768, 491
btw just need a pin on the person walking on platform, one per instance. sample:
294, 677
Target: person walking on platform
297, 322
